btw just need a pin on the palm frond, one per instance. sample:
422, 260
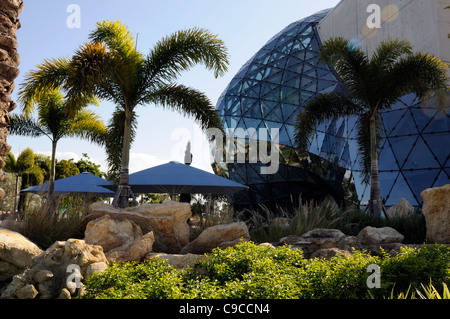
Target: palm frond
181, 51
189, 102
90, 68
87, 125
24, 126
117, 38
388, 52
350, 63
49, 75
321, 108
417, 73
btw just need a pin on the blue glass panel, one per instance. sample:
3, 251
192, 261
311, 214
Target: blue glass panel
401, 146
421, 157
405, 125
421, 180
399, 190
387, 160
390, 120
442, 180
440, 123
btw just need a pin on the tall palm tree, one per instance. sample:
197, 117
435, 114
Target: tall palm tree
53, 122
373, 85
111, 68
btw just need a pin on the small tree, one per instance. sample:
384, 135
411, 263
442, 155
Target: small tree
25, 169
54, 122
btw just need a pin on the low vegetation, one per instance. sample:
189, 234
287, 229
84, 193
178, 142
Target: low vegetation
249, 271
266, 226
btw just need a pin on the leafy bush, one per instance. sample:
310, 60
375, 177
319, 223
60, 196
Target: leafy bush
248, 271
149, 280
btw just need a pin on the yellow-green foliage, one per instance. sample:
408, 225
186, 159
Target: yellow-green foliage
249, 271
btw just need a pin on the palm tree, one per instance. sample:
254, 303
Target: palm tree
111, 68
26, 169
373, 85
53, 122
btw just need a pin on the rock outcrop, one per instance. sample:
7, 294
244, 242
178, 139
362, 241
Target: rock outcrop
121, 240
402, 208
221, 236
325, 243
436, 209
385, 235
16, 253
168, 221
58, 272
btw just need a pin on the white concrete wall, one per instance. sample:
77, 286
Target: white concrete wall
424, 23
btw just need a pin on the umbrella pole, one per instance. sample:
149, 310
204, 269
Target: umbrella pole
123, 191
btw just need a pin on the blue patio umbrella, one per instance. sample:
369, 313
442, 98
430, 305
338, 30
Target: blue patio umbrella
176, 178
84, 184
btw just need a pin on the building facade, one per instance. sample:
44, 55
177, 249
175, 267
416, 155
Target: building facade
260, 105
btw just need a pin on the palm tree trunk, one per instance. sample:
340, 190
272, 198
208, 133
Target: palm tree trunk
51, 185
124, 192
15, 194
375, 202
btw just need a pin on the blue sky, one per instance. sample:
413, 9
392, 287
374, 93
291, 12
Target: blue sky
244, 25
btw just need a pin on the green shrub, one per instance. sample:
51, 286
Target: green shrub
249, 271
148, 280
416, 267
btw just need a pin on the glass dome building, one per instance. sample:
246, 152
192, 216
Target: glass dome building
269, 91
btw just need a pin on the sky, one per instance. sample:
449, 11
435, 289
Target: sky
50, 29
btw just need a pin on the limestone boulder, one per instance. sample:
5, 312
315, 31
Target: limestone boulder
402, 208
319, 239
111, 233
373, 236
436, 209
133, 251
168, 221
217, 236
16, 253
58, 271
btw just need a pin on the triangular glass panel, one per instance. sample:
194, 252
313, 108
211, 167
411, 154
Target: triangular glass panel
439, 123
267, 106
235, 109
421, 180
273, 77
405, 125
400, 189
254, 111
442, 180
387, 161
439, 145
390, 120
284, 137
275, 115
401, 147
289, 95
420, 157
420, 118
288, 110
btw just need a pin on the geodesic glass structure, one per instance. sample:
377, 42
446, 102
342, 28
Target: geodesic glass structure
270, 90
